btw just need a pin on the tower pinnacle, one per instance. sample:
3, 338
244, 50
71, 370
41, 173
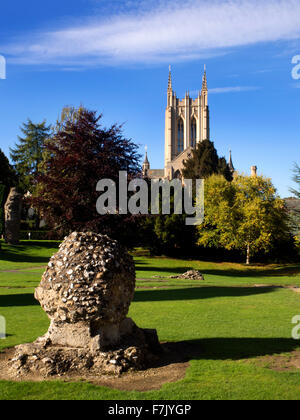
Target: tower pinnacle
204, 80
146, 163
170, 79
230, 164
146, 155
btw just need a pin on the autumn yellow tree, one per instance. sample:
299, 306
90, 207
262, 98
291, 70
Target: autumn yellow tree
245, 214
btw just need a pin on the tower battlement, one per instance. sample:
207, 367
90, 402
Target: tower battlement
186, 123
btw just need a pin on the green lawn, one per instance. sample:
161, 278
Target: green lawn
229, 323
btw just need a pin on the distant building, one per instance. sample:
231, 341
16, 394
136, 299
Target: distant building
293, 204
187, 123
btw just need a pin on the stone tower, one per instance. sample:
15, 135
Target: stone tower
230, 164
186, 124
146, 165
254, 171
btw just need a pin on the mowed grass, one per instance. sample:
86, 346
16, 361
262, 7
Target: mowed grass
26, 255
229, 323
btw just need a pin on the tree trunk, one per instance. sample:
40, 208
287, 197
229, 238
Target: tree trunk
248, 255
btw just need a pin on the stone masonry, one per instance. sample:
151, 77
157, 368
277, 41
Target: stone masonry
12, 210
86, 292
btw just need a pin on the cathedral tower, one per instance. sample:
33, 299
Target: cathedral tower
186, 124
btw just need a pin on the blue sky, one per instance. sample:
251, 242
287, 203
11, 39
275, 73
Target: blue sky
113, 56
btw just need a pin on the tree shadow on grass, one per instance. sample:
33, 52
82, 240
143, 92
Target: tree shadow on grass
26, 299
19, 253
221, 348
195, 293
42, 244
247, 272
20, 256
289, 270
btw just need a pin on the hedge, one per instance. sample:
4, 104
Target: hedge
38, 235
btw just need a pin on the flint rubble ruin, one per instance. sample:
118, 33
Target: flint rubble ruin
12, 209
86, 292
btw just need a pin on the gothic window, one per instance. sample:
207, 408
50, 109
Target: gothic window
180, 136
177, 174
193, 132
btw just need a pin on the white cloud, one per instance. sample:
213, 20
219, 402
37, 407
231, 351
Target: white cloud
167, 32
232, 89
228, 89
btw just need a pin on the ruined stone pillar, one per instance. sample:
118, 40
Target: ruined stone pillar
86, 291
12, 210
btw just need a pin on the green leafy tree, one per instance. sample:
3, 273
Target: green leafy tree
8, 179
28, 153
245, 214
172, 234
205, 162
166, 234
7, 173
171, 231
295, 211
296, 179
2, 201
69, 114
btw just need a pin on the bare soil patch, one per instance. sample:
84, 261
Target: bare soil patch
281, 363
295, 289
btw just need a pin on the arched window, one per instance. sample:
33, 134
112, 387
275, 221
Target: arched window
177, 174
193, 132
180, 136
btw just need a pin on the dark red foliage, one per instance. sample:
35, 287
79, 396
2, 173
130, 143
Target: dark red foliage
79, 155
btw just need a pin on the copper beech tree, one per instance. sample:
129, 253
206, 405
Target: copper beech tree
79, 154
